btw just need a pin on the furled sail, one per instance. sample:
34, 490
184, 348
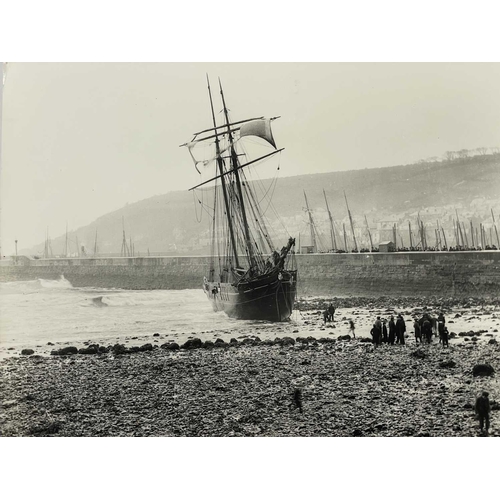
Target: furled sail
258, 128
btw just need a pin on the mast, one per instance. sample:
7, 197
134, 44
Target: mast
496, 230
424, 236
66, 246
125, 250
332, 231
95, 243
311, 222
465, 236
234, 165
460, 229
220, 165
472, 234
352, 225
345, 237
409, 232
444, 238
369, 234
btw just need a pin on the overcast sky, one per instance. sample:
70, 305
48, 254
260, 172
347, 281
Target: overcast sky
82, 139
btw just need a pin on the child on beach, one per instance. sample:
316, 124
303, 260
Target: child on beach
351, 328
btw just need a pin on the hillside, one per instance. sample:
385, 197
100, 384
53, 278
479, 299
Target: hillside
167, 224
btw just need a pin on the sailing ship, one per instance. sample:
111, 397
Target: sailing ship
248, 278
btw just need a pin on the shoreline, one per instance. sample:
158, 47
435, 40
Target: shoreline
470, 319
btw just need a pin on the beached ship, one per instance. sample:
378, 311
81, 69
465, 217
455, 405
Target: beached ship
248, 277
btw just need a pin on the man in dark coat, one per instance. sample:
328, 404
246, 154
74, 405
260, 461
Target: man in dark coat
377, 331
400, 330
427, 329
440, 326
384, 331
483, 410
331, 312
392, 330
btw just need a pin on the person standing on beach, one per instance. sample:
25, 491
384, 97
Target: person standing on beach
351, 328
400, 330
483, 411
325, 316
377, 331
440, 326
384, 331
331, 312
444, 338
418, 331
427, 329
392, 330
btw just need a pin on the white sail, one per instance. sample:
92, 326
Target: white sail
258, 128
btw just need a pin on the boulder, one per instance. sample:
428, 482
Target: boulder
286, 341
192, 344
27, 352
119, 349
133, 349
146, 347
344, 337
156, 334
170, 346
233, 342
481, 370
492, 341
365, 339
208, 344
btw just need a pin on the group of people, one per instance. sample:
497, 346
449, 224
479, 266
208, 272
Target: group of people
328, 313
393, 331
389, 332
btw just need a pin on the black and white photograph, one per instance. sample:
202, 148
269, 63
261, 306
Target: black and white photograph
250, 249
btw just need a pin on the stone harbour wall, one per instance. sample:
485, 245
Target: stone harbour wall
476, 274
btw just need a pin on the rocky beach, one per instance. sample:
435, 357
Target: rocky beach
303, 378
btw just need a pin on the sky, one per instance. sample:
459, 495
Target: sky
83, 139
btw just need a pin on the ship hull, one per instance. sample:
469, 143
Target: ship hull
269, 297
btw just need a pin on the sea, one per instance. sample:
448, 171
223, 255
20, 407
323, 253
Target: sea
34, 313
44, 315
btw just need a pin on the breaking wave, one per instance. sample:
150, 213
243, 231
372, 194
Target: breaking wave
34, 286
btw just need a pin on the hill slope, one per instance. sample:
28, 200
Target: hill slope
167, 224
